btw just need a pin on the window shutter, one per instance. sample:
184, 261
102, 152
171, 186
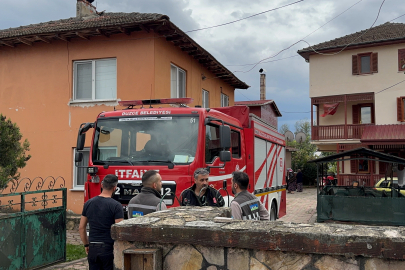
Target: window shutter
355, 65
401, 59
400, 110
355, 114
353, 165
374, 62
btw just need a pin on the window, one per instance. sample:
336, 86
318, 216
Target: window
224, 100
178, 82
235, 144
95, 80
80, 174
212, 143
205, 99
363, 113
401, 59
401, 109
365, 63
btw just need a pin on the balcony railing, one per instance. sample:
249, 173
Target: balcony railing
364, 179
338, 132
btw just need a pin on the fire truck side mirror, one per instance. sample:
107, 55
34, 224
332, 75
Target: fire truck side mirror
225, 156
225, 135
81, 138
78, 156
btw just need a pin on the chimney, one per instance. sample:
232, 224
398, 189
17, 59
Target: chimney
262, 86
85, 10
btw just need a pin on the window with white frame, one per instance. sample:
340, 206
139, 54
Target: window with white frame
80, 174
205, 99
224, 100
95, 80
177, 82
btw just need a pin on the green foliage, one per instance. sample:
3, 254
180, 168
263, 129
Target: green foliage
305, 152
284, 128
12, 152
74, 252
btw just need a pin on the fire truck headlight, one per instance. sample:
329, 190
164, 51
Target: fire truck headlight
92, 170
95, 179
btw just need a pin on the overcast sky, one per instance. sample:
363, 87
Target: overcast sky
244, 42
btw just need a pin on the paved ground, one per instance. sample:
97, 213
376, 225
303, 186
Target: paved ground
301, 208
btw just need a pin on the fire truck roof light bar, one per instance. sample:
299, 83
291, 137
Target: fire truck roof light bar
132, 103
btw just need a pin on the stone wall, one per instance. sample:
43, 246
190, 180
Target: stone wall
204, 238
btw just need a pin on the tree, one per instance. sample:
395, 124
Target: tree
284, 128
12, 152
305, 152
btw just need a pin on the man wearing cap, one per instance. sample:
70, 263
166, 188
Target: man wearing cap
201, 194
246, 206
150, 199
101, 212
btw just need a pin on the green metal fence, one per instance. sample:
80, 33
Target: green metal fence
361, 205
32, 224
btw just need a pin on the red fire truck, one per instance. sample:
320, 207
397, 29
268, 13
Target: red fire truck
176, 141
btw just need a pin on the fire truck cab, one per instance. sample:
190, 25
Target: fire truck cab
178, 140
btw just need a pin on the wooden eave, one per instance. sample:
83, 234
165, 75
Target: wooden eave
163, 27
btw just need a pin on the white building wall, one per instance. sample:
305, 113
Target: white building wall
332, 75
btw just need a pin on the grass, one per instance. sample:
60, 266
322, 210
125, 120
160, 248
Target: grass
74, 252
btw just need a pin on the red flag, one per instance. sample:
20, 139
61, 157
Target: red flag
329, 109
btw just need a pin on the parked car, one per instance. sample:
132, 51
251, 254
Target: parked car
385, 185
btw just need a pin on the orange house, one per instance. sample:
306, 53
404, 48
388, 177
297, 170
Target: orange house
56, 75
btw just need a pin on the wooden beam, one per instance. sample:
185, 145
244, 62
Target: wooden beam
82, 36
7, 44
200, 56
144, 28
101, 32
62, 38
189, 49
43, 39
125, 31
29, 43
174, 38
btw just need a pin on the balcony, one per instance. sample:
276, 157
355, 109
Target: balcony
338, 132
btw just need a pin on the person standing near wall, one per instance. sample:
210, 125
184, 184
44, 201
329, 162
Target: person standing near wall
101, 212
201, 194
246, 206
300, 180
150, 199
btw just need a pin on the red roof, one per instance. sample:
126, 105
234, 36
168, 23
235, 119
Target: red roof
383, 133
253, 102
259, 103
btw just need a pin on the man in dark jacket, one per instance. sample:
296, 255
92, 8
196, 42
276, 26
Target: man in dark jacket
246, 206
201, 194
150, 199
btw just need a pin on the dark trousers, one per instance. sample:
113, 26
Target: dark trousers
101, 256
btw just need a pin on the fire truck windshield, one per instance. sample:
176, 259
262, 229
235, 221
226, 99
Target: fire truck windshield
140, 140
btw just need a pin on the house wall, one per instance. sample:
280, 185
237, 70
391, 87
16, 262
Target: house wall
36, 90
332, 75
166, 54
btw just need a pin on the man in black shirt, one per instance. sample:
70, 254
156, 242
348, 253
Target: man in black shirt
150, 199
101, 212
200, 194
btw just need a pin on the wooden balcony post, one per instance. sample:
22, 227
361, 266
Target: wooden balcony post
345, 117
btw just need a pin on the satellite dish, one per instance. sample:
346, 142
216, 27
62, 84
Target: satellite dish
289, 136
300, 137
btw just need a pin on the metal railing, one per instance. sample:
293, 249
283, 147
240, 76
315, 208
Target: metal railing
338, 132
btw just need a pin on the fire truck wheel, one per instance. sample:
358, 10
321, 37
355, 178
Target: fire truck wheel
273, 212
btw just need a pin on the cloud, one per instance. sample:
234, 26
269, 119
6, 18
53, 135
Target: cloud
244, 42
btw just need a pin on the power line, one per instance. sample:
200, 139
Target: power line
243, 18
314, 32
262, 62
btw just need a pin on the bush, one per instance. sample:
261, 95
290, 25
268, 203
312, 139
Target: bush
12, 152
